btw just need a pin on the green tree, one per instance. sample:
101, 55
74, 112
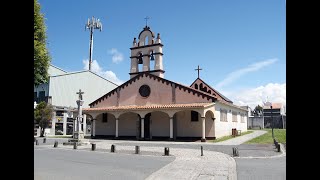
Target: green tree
41, 55
43, 115
257, 110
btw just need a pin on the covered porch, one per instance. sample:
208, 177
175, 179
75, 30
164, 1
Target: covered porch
152, 122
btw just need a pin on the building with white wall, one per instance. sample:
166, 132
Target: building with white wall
61, 90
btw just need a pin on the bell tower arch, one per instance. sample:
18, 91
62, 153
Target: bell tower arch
147, 48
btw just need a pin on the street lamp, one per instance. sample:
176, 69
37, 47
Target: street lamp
272, 123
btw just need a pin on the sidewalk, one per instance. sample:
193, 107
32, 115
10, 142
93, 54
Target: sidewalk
241, 139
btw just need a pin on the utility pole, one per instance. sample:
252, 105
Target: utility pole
91, 25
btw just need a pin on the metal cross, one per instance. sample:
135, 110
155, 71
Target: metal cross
198, 70
146, 18
80, 94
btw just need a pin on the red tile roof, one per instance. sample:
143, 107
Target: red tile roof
274, 106
153, 106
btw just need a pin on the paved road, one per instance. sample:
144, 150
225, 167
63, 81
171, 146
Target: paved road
64, 164
256, 161
261, 169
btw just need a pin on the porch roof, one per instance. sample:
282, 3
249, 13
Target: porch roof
152, 106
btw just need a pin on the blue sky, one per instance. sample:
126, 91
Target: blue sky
240, 45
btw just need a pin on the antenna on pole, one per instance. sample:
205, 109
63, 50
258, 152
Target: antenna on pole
91, 25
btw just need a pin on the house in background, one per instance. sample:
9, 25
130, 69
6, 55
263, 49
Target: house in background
274, 113
277, 115
61, 90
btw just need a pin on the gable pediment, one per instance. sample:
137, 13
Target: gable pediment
162, 91
202, 86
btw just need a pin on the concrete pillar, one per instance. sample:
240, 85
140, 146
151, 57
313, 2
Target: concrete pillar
84, 122
65, 115
94, 127
142, 127
171, 127
117, 127
203, 119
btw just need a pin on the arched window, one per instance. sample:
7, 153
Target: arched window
201, 86
196, 86
146, 40
152, 61
140, 61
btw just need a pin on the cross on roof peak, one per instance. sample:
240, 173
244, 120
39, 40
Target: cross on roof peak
146, 18
198, 69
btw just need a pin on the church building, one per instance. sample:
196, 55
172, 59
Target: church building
148, 106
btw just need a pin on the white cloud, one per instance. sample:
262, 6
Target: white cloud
111, 76
275, 93
238, 73
117, 57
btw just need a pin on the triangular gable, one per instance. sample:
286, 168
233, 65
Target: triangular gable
163, 91
208, 89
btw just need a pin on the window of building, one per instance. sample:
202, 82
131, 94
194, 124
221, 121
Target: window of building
105, 117
223, 115
196, 86
194, 116
242, 118
234, 116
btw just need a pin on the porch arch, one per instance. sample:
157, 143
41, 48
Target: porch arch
129, 124
105, 125
160, 124
183, 127
210, 125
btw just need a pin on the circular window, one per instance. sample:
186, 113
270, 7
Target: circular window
144, 90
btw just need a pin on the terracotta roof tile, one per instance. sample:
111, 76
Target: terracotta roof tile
153, 106
274, 106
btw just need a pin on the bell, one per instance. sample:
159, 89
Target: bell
152, 57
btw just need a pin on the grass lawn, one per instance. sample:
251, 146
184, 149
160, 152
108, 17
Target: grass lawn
229, 137
279, 134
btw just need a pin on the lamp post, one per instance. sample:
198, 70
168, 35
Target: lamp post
272, 123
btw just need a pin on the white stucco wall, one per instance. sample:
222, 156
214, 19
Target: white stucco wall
127, 124
186, 127
225, 128
106, 128
160, 124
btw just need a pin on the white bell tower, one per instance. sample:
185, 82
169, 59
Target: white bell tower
145, 50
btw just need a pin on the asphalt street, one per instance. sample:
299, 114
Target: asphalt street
62, 164
256, 161
261, 169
